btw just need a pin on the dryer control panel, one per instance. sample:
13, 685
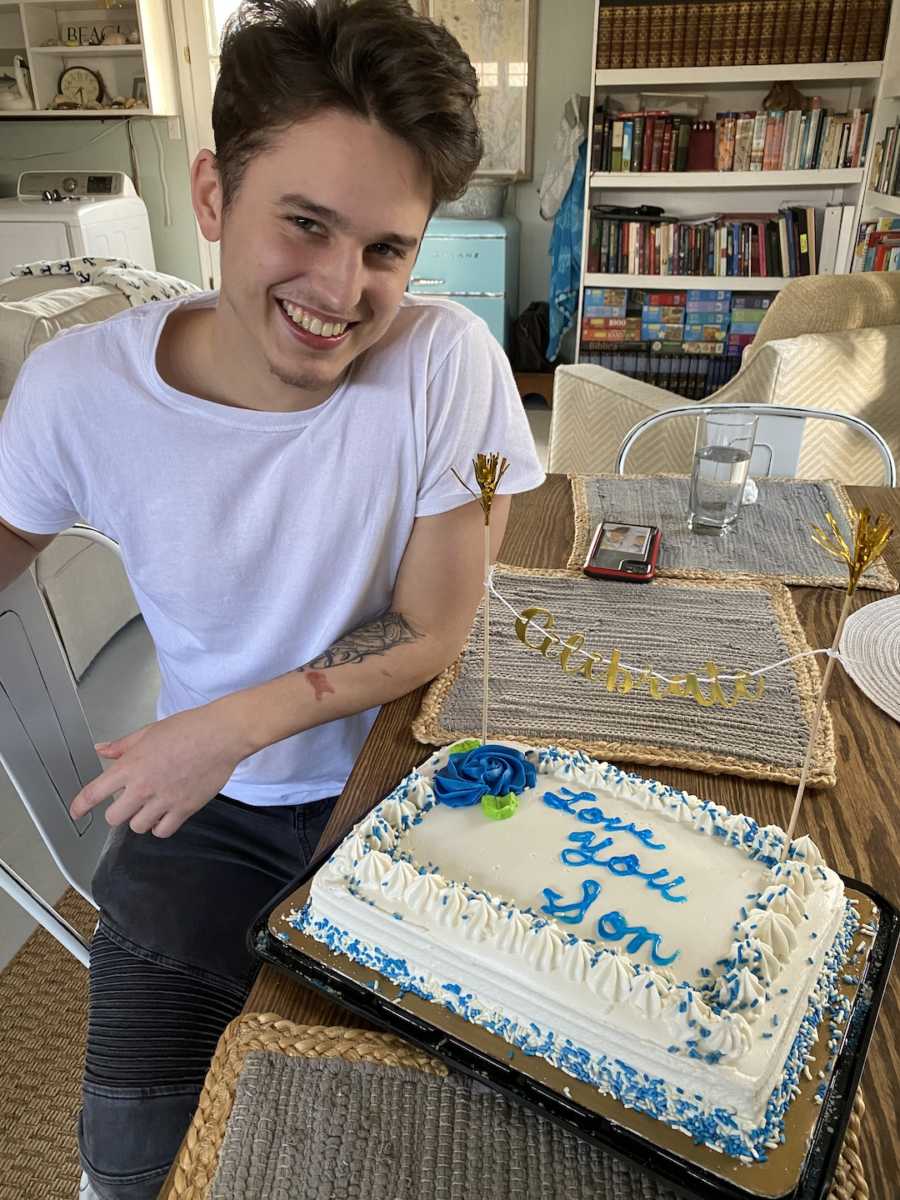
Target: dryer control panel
57, 186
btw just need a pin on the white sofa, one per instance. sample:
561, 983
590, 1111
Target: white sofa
83, 583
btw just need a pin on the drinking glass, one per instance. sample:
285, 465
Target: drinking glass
722, 450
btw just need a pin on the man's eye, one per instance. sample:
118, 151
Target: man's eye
386, 250
306, 223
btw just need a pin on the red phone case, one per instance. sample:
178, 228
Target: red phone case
627, 576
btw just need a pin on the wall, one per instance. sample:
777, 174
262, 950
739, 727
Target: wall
564, 60
68, 144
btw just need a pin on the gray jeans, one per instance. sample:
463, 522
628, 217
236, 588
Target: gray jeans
169, 969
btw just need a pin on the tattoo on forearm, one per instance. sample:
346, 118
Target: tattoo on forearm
376, 637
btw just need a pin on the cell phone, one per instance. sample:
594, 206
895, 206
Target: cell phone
622, 551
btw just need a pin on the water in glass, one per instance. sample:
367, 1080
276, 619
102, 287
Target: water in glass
717, 486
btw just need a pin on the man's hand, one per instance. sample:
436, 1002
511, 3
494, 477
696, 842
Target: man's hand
164, 772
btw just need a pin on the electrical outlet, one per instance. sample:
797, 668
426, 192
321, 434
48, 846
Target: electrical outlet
174, 129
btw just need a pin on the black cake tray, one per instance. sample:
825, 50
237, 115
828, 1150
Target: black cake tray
322, 969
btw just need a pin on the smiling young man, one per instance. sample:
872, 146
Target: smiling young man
275, 462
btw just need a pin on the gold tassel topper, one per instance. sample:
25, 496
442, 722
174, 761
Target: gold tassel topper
868, 544
489, 470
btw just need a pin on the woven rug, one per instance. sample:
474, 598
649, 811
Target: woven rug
43, 1002
293, 1112
770, 537
675, 625
870, 645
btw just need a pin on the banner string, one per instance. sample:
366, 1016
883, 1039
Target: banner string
828, 651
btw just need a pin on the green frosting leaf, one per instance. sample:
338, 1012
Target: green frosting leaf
500, 808
465, 746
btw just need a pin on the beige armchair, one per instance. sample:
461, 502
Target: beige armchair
82, 582
827, 342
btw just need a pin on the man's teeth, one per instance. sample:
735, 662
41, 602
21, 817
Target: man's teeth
313, 324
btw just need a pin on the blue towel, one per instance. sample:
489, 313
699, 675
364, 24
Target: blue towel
565, 253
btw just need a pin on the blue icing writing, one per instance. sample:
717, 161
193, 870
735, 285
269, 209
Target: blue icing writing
623, 865
612, 925
614, 928
596, 816
571, 914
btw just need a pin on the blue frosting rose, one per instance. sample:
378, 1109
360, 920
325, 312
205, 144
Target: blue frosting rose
486, 770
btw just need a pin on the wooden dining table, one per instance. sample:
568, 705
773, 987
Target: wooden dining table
855, 823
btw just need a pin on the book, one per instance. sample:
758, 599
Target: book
666, 34
848, 30
831, 232
780, 32
745, 25
652, 32
630, 38
758, 141
692, 21
863, 25
627, 138
604, 38
877, 30
642, 35
835, 31
845, 240
793, 10
702, 147
743, 141
637, 149
726, 124
805, 15
617, 38
821, 16
679, 36
727, 19
767, 12
683, 143
705, 19
618, 133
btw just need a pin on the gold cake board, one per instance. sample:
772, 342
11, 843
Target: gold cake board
773, 1178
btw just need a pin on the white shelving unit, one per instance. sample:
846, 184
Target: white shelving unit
842, 87
25, 27
876, 204
707, 181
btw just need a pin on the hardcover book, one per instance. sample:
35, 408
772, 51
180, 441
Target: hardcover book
767, 10
604, 37
821, 16
835, 31
863, 25
779, 32
877, 30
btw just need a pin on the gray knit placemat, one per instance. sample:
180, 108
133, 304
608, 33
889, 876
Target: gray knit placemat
675, 625
770, 537
323, 1128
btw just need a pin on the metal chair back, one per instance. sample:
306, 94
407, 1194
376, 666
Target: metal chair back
48, 751
762, 410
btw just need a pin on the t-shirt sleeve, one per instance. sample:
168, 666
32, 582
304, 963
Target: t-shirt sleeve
34, 496
473, 407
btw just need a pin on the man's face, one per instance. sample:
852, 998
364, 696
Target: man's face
317, 249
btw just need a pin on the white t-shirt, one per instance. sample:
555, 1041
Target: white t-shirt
254, 540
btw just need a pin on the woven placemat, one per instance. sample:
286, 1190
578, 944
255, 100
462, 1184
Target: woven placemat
675, 625
294, 1113
870, 650
771, 537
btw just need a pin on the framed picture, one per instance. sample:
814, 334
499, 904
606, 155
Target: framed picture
139, 89
499, 38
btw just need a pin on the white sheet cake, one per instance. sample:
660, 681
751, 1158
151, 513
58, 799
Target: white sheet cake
642, 940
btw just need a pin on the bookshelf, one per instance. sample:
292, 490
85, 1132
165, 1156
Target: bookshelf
864, 83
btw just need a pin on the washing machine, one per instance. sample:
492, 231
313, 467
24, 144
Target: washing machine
60, 214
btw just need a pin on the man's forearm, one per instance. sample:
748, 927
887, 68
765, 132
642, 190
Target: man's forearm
371, 665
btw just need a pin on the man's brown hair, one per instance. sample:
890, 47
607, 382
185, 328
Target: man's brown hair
284, 61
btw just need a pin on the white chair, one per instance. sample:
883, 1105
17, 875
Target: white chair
774, 414
48, 751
